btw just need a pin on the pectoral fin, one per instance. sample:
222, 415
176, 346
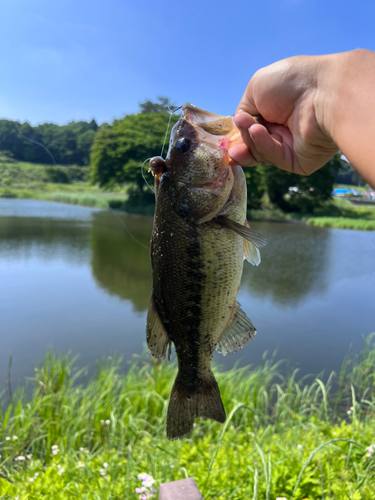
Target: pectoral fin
252, 240
238, 333
252, 236
251, 251
156, 335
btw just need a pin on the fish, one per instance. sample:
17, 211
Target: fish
199, 240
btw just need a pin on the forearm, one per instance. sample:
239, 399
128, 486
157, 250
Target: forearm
345, 106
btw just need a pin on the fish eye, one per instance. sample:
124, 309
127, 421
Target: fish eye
182, 145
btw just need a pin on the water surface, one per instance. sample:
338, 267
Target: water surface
79, 279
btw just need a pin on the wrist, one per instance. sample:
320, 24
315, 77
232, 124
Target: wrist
340, 85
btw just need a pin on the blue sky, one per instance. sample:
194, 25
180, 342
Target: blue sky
82, 59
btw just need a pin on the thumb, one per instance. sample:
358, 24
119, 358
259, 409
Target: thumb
246, 107
247, 102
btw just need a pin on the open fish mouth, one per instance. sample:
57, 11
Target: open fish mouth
215, 131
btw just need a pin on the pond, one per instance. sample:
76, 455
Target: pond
79, 279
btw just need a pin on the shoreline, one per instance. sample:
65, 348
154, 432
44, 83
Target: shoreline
354, 217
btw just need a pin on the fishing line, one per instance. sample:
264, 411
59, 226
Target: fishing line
127, 230
39, 144
171, 111
143, 175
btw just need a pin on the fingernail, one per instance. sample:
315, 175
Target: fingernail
242, 119
251, 132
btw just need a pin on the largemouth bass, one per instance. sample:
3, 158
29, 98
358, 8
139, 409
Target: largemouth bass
199, 240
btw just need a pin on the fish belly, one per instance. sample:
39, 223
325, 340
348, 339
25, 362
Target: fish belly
196, 275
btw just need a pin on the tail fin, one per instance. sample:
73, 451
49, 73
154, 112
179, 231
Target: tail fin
185, 406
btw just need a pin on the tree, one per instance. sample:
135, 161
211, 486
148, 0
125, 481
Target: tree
308, 192
256, 187
163, 106
119, 150
49, 143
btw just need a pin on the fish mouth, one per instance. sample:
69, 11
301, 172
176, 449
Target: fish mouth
215, 131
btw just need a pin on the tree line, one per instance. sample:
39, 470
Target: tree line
115, 153
48, 143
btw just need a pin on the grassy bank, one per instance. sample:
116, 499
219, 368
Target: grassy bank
59, 184
83, 195
339, 213
284, 437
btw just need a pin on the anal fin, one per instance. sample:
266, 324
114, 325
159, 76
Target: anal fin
238, 333
156, 335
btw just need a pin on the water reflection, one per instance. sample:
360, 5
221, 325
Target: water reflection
72, 277
120, 257
23, 238
295, 263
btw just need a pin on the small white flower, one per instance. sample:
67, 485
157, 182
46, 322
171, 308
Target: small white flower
349, 412
107, 422
7, 438
80, 464
36, 474
58, 466
55, 449
148, 482
31, 479
105, 465
30, 456
142, 476
102, 472
14, 438
299, 446
371, 448
21, 458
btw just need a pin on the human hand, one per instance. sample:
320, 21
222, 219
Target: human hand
290, 96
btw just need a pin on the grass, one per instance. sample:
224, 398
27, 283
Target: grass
342, 223
284, 437
339, 213
31, 181
83, 197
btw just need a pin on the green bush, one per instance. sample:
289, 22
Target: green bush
58, 175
